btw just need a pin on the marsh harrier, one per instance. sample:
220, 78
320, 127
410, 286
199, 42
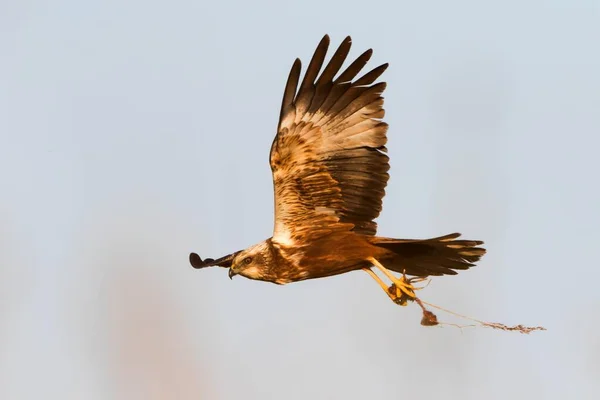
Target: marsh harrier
330, 170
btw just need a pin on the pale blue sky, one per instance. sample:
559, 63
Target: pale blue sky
135, 132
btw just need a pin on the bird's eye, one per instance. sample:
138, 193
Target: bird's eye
247, 260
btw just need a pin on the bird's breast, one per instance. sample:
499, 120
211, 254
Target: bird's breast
330, 255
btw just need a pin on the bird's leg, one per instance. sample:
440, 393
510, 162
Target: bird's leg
401, 290
391, 293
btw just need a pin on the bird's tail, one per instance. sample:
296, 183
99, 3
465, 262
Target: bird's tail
438, 256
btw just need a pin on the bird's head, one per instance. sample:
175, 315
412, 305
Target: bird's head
252, 262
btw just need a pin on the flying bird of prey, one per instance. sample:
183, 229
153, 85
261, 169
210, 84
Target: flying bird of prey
330, 170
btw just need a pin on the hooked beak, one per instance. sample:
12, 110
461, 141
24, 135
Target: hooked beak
231, 273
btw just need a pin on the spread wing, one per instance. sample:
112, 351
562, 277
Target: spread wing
328, 157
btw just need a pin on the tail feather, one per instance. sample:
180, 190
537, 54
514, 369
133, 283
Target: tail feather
437, 256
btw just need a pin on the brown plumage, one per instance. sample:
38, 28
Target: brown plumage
330, 170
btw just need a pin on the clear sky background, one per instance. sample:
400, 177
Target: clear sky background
135, 132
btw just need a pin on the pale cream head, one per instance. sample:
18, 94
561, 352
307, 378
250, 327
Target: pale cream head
252, 262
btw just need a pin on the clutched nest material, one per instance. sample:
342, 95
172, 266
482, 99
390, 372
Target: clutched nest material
430, 319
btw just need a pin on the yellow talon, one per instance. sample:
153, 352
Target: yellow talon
401, 291
404, 292
410, 281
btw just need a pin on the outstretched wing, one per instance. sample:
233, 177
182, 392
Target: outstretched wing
328, 158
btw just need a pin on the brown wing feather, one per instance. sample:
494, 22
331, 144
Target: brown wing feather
328, 161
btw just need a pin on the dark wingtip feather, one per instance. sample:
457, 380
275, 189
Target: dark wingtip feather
315, 64
224, 262
354, 68
287, 102
292, 84
336, 61
198, 263
372, 75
